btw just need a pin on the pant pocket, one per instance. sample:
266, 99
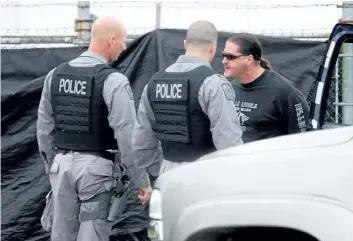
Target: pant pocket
101, 170
95, 208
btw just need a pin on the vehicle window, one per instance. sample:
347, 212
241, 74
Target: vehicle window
339, 108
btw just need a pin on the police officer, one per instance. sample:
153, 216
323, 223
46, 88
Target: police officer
86, 108
185, 111
269, 105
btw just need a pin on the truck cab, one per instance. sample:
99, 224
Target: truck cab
288, 188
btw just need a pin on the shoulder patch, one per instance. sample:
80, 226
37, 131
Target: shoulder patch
228, 91
129, 91
222, 77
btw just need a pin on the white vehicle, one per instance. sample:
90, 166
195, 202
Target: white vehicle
299, 186
295, 187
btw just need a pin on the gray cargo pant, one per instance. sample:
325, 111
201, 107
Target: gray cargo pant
81, 201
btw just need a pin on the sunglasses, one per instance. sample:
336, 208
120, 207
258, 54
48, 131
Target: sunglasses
231, 56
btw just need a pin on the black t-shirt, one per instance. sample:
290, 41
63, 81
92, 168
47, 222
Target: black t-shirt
270, 106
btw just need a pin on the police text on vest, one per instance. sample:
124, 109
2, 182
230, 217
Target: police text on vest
73, 86
168, 91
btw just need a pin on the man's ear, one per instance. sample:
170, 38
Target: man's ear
185, 44
112, 39
214, 47
250, 59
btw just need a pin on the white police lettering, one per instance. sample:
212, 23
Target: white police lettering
73, 86
168, 91
300, 117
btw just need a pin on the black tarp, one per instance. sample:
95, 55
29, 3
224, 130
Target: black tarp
23, 180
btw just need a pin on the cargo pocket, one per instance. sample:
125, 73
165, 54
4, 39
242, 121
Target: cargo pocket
47, 216
95, 208
101, 170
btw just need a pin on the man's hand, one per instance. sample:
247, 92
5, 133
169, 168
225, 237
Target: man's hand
144, 194
50, 179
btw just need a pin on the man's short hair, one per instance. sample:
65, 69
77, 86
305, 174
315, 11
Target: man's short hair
201, 33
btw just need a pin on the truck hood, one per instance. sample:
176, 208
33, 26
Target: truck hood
290, 142
309, 165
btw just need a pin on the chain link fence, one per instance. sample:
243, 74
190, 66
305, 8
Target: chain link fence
66, 36
28, 38
226, 15
333, 111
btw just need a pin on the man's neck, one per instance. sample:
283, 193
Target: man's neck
99, 50
251, 75
197, 54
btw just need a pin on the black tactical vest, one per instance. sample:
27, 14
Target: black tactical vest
80, 113
180, 124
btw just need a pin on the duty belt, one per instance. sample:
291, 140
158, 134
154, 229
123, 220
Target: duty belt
113, 156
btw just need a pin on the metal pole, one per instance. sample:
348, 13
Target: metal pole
83, 22
158, 15
347, 69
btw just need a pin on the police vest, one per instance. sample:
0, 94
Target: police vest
80, 113
180, 124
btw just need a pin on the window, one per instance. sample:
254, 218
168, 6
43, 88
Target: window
339, 110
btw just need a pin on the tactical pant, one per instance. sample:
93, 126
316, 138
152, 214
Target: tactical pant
81, 199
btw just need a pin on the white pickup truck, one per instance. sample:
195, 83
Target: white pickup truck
290, 188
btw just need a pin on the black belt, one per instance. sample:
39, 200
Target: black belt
105, 154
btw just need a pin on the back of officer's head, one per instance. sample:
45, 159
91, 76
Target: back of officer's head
108, 37
201, 38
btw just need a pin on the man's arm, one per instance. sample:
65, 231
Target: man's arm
216, 98
45, 125
119, 99
146, 147
296, 113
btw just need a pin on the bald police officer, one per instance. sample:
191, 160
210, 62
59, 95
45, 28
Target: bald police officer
86, 108
185, 111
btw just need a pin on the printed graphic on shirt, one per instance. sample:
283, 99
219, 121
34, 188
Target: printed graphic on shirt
243, 118
244, 107
228, 91
300, 117
129, 91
